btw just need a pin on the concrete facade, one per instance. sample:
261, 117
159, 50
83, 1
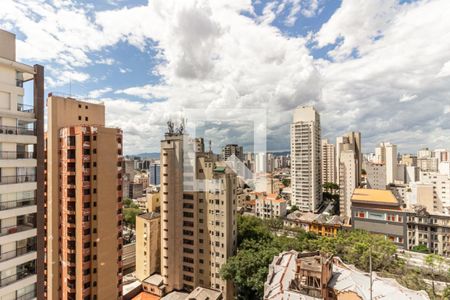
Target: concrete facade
148, 245
198, 228
84, 202
306, 177
21, 176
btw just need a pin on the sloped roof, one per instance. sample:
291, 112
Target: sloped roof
348, 279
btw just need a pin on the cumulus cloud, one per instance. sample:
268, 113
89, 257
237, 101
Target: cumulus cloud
374, 92
387, 73
65, 77
98, 93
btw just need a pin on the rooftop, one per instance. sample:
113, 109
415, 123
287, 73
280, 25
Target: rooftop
150, 215
155, 279
175, 296
310, 217
204, 294
146, 296
373, 196
348, 281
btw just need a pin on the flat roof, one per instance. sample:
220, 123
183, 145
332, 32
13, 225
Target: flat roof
149, 216
374, 196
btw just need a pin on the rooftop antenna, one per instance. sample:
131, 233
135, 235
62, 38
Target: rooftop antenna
210, 150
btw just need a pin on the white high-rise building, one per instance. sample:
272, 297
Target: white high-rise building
386, 153
328, 162
305, 159
21, 176
424, 153
442, 155
348, 166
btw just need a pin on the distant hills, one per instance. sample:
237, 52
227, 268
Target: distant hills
150, 155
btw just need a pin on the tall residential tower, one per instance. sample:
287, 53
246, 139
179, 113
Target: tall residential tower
306, 158
198, 216
328, 162
84, 202
349, 166
21, 176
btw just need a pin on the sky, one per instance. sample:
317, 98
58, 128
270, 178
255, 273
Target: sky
381, 67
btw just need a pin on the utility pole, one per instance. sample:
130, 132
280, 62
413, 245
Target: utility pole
370, 270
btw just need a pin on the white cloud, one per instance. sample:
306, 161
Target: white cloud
445, 70
389, 74
98, 93
358, 23
106, 61
124, 70
374, 92
60, 78
407, 98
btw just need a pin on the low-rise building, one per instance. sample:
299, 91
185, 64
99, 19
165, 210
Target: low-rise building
321, 224
271, 206
428, 229
310, 276
379, 211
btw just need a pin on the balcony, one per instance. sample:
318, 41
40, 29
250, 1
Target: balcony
17, 179
17, 130
16, 228
25, 108
27, 296
17, 155
17, 203
27, 271
17, 252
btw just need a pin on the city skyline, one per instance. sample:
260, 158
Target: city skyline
323, 57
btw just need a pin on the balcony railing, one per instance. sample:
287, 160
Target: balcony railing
17, 179
27, 296
4, 205
25, 108
17, 130
16, 228
17, 154
19, 275
17, 252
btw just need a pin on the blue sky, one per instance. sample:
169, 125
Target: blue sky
381, 67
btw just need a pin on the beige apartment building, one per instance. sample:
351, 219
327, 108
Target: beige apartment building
148, 245
349, 166
306, 158
198, 216
328, 162
84, 202
21, 175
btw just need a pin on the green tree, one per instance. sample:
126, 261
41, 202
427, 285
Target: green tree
434, 262
286, 182
127, 202
330, 187
248, 270
421, 249
275, 223
252, 228
129, 216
